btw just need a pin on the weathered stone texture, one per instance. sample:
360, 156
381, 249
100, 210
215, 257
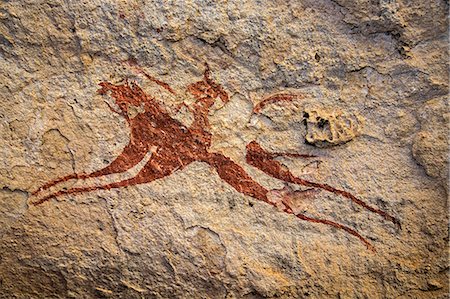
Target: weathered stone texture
370, 80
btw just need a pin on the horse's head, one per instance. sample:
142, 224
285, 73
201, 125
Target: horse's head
207, 88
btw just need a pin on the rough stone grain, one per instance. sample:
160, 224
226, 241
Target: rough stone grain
330, 126
190, 234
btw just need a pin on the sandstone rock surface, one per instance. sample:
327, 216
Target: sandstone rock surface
368, 78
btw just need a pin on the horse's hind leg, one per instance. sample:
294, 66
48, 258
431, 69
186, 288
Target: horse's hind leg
157, 167
259, 158
131, 155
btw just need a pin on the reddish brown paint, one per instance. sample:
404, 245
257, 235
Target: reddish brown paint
281, 97
258, 157
133, 63
177, 146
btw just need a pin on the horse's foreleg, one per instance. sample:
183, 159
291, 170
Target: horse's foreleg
335, 225
131, 155
236, 176
259, 158
293, 155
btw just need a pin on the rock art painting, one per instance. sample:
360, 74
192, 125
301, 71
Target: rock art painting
173, 146
307, 159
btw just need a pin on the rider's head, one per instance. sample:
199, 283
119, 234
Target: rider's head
207, 88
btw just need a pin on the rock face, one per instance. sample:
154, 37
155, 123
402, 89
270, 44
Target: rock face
306, 158
332, 127
430, 145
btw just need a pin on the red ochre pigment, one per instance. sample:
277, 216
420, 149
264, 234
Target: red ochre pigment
177, 146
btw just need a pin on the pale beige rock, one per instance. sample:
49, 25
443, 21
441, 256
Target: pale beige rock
430, 145
326, 127
190, 234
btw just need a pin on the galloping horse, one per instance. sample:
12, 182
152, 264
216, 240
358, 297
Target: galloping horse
173, 146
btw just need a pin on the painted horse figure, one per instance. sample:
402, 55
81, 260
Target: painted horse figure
173, 146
